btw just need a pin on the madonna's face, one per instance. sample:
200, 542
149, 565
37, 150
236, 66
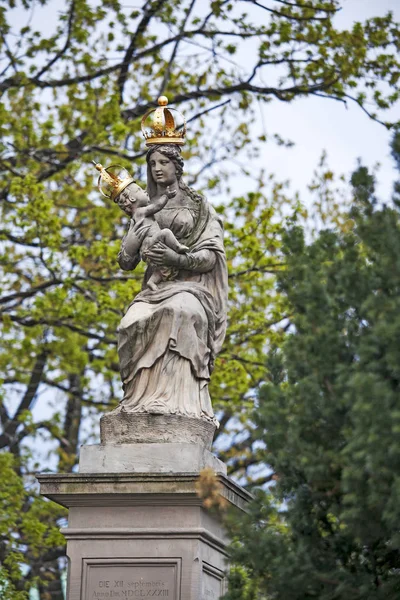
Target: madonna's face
162, 169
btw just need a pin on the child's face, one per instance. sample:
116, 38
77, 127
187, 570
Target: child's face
132, 196
141, 197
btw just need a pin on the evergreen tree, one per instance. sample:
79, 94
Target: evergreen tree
329, 416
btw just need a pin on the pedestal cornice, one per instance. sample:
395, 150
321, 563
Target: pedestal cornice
133, 489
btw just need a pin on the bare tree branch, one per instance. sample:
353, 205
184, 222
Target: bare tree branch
342, 99
260, 481
36, 377
72, 422
16, 81
270, 269
64, 48
29, 293
28, 322
224, 420
9, 54
171, 61
150, 9
310, 6
291, 17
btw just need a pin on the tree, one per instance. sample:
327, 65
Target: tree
77, 90
329, 417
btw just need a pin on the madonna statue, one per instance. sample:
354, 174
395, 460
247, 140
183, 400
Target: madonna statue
170, 335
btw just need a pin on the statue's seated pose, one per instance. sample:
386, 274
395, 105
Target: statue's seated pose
173, 330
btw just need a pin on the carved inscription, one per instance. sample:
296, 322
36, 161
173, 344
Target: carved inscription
120, 582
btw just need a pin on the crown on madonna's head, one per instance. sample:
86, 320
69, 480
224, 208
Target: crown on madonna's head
163, 125
112, 180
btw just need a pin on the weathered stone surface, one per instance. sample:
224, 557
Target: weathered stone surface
131, 578
130, 489
141, 428
148, 458
139, 535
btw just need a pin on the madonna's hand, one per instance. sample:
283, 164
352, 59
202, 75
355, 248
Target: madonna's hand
162, 256
138, 230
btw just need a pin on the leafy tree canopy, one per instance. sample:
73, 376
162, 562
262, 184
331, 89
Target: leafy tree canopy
73, 88
329, 418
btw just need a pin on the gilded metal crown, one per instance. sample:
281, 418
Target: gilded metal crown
163, 125
112, 180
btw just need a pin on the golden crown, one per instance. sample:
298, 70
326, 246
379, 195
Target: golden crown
112, 180
163, 125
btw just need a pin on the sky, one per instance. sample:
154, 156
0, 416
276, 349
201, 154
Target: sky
317, 124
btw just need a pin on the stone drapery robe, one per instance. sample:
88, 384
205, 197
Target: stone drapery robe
168, 338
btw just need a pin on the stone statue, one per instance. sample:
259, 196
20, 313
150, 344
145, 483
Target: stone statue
172, 331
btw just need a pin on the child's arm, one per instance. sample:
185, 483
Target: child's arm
158, 204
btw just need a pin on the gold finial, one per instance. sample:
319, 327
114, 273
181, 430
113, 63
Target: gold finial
109, 178
112, 180
163, 125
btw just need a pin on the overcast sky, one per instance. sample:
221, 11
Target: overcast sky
316, 124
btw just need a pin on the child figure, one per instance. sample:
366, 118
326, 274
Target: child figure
135, 202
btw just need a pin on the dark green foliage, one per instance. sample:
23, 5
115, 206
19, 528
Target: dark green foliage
330, 418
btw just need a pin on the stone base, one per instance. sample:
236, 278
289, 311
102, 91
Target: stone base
148, 458
137, 527
142, 535
143, 428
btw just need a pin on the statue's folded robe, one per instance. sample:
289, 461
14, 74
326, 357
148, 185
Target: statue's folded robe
186, 316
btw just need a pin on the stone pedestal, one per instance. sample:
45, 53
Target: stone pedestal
137, 428
137, 527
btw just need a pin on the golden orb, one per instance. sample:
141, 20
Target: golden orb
162, 101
